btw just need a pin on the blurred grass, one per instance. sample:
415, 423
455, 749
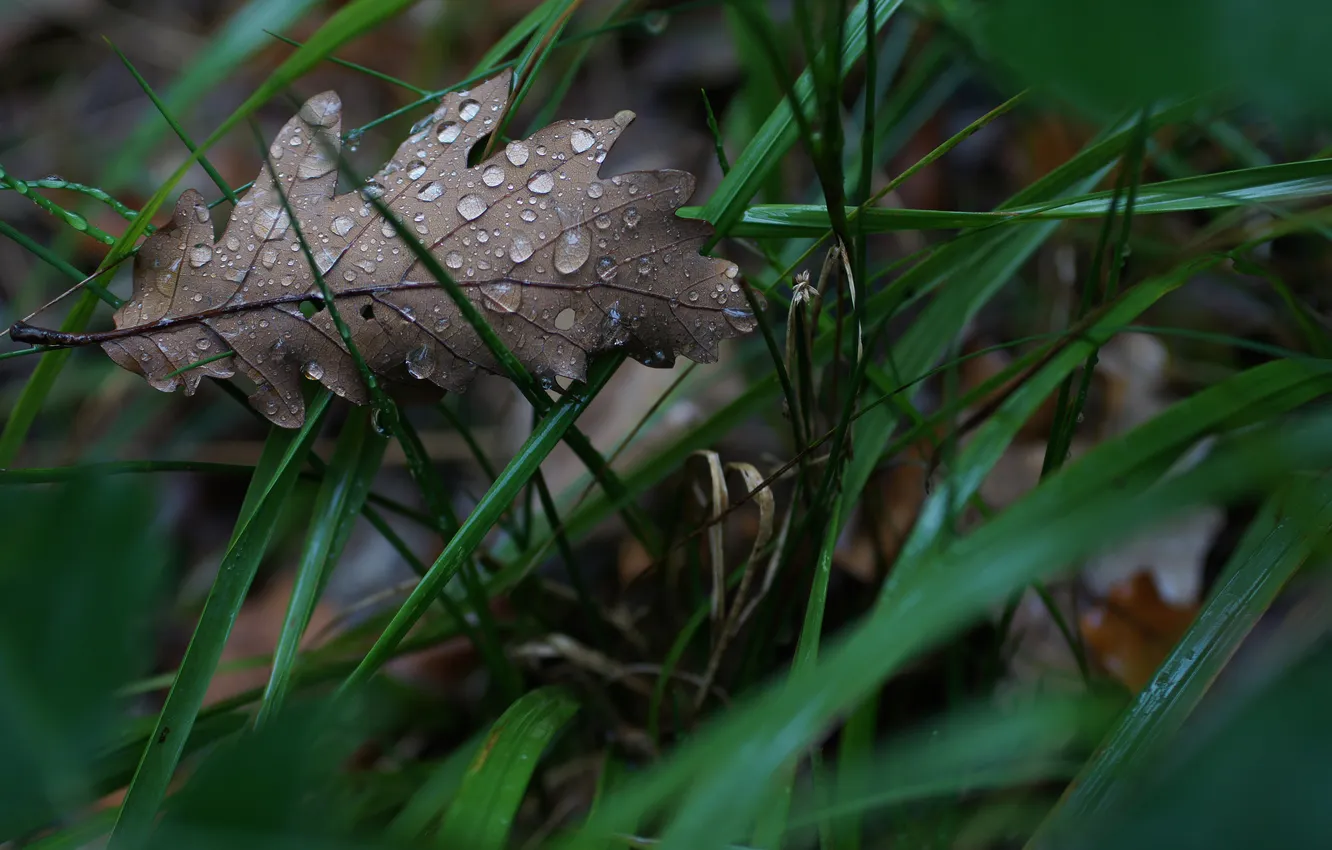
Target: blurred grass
582, 725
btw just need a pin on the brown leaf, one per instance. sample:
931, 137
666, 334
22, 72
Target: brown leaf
563, 264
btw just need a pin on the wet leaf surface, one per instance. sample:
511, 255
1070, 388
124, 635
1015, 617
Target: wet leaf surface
563, 264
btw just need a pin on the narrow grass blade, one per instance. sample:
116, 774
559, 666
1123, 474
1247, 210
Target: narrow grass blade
496, 782
1276, 545
274, 477
1095, 500
240, 38
341, 495
497, 499
432, 800
779, 132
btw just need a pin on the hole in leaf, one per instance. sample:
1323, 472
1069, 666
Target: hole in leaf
477, 149
565, 319
310, 307
368, 311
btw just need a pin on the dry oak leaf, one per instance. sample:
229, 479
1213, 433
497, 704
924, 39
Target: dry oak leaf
562, 263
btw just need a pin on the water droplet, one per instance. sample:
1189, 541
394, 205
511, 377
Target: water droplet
602, 221
453, 260
270, 223
416, 169
581, 140
521, 248
541, 182
624, 117
233, 244
354, 139
492, 176
421, 362
468, 110
644, 265
471, 207
381, 423
631, 218
517, 153
288, 280
741, 320
387, 230
693, 296
312, 370
200, 254
202, 345
449, 132
502, 297
431, 192
269, 257
422, 125
572, 250
528, 215
372, 189
607, 269
343, 225
201, 214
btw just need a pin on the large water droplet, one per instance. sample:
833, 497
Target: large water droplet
372, 189
270, 222
595, 190
631, 218
741, 320
528, 215
571, 250
422, 125
431, 192
453, 260
268, 257
581, 140
421, 362
517, 153
416, 169
541, 182
607, 269
492, 176
387, 230
602, 221
200, 255
201, 214
502, 297
521, 248
342, 225
233, 244
644, 265
312, 370
449, 132
471, 207
468, 110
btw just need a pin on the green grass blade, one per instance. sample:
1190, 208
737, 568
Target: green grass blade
779, 132
1099, 498
240, 38
1247, 187
430, 802
341, 495
496, 782
484, 516
274, 477
1276, 545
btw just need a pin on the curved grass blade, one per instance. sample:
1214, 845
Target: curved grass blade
1277, 543
432, 799
274, 477
243, 35
341, 495
1246, 187
1099, 498
484, 516
496, 782
765, 151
